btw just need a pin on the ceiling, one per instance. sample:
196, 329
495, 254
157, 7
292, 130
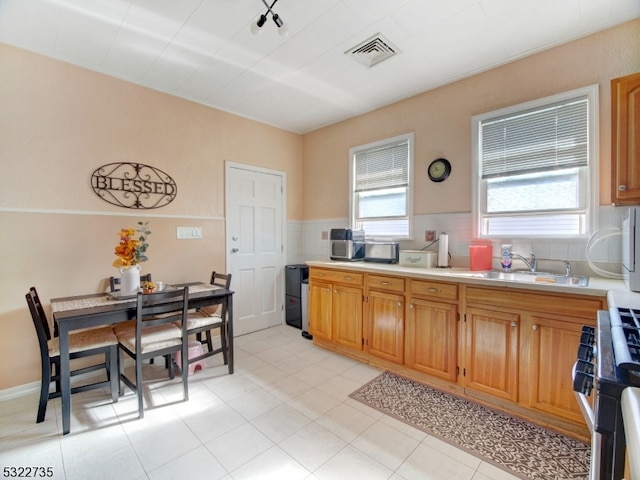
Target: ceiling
204, 50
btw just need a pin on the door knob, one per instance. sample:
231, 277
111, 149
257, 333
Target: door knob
235, 250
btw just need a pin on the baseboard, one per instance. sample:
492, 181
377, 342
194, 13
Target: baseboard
34, 387
19, 391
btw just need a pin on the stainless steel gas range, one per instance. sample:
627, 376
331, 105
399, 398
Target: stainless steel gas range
609, 360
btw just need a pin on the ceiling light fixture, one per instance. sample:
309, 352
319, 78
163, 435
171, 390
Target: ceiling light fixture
256, 27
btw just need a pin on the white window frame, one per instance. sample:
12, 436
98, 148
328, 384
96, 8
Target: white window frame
409, 138
591, 184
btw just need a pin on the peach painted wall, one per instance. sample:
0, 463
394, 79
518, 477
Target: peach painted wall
58, 123
441, 120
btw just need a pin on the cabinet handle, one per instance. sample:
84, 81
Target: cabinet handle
385, 283
411, 305
434, 290
622, 188
399, 304
335, 291
535, 327
514, 324
348, 278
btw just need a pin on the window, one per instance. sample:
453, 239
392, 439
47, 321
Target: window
535, 168
380, 176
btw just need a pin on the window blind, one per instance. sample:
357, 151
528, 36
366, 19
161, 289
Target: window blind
384, 167
549, 138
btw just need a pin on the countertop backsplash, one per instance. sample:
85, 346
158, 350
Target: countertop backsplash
308, 240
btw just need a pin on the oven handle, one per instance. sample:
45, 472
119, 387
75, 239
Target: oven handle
583, 403
596, 438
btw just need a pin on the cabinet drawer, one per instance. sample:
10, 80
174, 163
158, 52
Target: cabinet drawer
565, 305
337, 276
380, 282
444, 291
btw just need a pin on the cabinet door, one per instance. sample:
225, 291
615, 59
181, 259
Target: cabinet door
320, 297
431, 338
625, 140
492, 352
385, 326
554, 344
347, 316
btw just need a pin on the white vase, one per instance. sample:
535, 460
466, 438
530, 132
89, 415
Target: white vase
130, 280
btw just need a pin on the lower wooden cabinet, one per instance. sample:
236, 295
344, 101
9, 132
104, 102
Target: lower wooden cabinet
431, 338
521, 346
515, 348
320, 316
384, 336
553, 343
335, 306
492, 346
346, 313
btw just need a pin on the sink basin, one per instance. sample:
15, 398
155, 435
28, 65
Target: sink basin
530, 277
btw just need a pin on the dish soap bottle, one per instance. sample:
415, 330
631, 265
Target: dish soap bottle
506, 258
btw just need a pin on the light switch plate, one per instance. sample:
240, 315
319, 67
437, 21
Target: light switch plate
188, 233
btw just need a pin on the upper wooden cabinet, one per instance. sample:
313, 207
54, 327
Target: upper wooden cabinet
625, 140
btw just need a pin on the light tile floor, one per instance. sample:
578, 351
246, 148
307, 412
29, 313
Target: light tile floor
284, 415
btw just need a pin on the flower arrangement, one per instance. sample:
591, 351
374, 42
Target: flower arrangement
131, 251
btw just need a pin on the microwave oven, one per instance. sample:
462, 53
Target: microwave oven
346, 244
631, 248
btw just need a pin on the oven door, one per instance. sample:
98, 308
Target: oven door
589, 417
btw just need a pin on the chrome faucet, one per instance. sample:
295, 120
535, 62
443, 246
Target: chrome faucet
567, 268
532, 263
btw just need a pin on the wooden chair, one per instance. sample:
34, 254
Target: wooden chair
155, 334
96, 341
208, 319
114, 286
114, 282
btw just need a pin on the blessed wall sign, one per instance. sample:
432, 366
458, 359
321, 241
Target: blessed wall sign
133, 185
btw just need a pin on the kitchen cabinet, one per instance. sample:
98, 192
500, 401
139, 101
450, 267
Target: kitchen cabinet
492, 345
510, 348
335, 306
384, 324
625, 140
553, 347
320, 309
431, 329
521, 346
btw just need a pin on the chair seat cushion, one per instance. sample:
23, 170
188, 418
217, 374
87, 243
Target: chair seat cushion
153, 338
85, 340
195, 320
210, 311
118, 328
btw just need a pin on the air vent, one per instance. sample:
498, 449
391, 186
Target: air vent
373, 51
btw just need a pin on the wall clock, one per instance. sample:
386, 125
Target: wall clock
439, 170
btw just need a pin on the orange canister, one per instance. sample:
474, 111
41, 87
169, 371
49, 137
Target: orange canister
480, 257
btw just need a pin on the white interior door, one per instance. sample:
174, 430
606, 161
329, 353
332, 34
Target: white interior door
255, 200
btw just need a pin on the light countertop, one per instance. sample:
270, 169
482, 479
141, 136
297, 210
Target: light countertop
598, 286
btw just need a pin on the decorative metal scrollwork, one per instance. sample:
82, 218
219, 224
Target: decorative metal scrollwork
133, 185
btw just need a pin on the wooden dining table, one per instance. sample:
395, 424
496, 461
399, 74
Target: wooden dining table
99, 309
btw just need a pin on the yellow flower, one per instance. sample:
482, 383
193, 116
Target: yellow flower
131, 251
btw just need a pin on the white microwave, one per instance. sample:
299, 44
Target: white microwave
631, 248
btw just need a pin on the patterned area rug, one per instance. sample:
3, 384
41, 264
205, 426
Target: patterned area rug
522, 449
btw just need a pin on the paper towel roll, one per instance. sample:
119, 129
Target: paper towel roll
443, 250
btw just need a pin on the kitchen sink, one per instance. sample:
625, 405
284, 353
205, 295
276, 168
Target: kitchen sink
526, 276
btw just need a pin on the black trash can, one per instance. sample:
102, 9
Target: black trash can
294, 276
